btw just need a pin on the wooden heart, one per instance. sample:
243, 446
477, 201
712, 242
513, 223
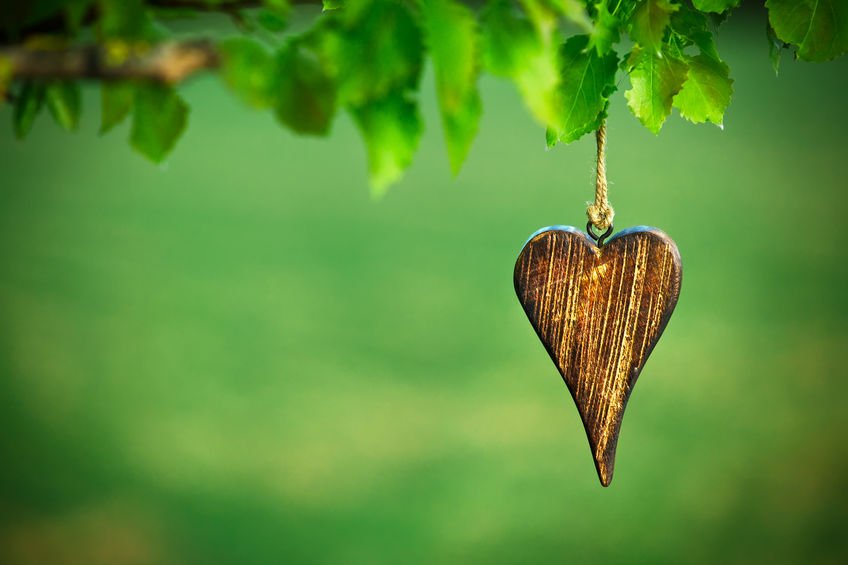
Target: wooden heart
599, 311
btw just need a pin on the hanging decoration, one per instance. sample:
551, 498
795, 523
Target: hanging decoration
599, 304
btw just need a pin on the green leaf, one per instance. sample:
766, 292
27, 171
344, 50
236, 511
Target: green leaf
273, 16
391, 128
587, 82
706, 93
715, 6
127, 19
776, 46
371, 49
547, 12
28, 104
116, 102
159, 118
248, 68
503, 57
271, 20
331, 5
575, 12
305, 94
693, 28
527, 52
373, 53
819, 28
655, 79
649, 21
605, 32
452, 39
64, 103
280, 7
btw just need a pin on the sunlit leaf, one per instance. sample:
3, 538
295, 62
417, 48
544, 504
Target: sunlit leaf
716, 6
649, 21
706, 93
605, 32
587, 82
526, 52
371, 49
655, 80
391, 128
453, 43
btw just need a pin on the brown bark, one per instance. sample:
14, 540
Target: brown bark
168, 62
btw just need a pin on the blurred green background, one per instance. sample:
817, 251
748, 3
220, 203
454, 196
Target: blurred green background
240, 357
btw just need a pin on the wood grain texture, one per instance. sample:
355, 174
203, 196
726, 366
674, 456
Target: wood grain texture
599, 312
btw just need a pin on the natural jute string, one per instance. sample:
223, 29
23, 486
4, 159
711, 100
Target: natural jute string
599, 212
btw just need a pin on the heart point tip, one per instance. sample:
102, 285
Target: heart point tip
604, 472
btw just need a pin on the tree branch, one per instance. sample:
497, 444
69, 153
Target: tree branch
168, 62
15, 27
204, 6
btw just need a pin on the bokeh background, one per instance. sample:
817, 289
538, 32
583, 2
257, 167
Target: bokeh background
241, 357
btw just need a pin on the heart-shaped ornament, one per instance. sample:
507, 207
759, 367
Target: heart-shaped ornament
599, 311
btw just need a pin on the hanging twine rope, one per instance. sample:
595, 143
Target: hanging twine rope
599, 212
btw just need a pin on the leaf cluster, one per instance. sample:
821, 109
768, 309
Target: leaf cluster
366, 57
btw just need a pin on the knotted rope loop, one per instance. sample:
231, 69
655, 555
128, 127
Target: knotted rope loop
599, 212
